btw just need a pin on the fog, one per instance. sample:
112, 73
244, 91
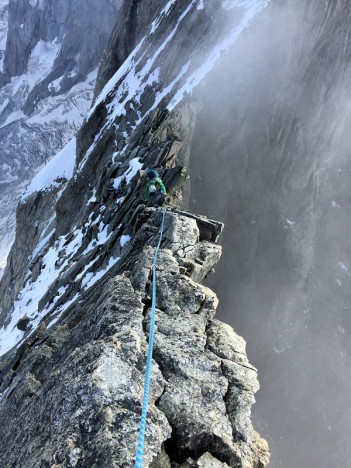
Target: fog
271, 157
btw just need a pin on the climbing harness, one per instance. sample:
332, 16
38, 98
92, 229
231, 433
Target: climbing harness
140, 448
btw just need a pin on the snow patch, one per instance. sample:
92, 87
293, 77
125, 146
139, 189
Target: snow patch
61, 166
124, 240
164, 12
92, 199
41, 60
289, 223
62, 309
2, 267
3, 105
120, 200
13, 117
42, 243
91, 278
85, 269
55, 85
134, 166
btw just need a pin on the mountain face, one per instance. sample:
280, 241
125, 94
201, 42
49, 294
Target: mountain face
251, 100
49, 52
3, 30
75, 296
270, 157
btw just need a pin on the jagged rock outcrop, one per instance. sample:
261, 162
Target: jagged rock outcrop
77, 388
75, 303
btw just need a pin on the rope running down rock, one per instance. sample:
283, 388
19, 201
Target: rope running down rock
141, 444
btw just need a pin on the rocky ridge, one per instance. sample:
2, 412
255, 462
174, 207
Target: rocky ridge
75, 296
86, 375
83, 367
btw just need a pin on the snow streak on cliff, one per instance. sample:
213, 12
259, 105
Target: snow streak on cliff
143, 72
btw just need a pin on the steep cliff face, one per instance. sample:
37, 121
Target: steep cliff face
126, 35
73, 28
86, 374
75, 296
275, 142
49, 52
3, 30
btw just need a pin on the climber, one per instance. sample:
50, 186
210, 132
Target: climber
154, 187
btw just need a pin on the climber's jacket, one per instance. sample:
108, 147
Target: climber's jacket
153, 187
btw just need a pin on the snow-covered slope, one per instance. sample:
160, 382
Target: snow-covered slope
142, 82
46, 87
28, 142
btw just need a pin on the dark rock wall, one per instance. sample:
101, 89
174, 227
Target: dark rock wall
271, 159
137, 16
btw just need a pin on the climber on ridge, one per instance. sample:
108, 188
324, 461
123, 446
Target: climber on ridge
154, 186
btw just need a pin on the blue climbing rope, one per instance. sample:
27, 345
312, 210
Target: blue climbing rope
140, 448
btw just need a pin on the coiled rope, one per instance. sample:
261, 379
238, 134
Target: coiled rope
140, 448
